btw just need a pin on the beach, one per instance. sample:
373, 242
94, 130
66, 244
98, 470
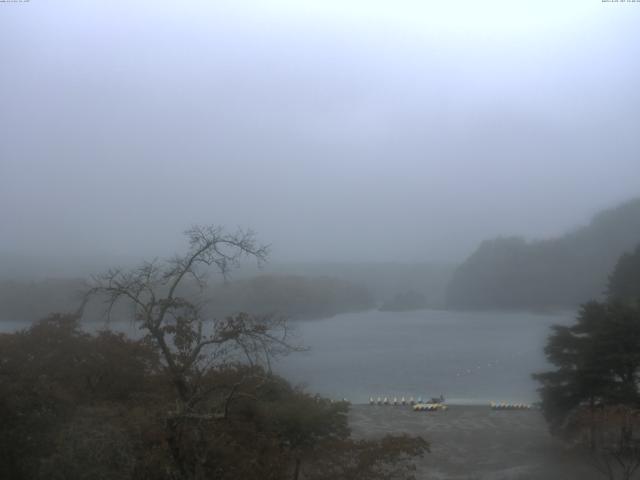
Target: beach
477, 443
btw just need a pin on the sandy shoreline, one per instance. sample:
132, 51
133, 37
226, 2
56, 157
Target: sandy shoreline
476, 443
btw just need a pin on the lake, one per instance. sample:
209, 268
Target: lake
469, 357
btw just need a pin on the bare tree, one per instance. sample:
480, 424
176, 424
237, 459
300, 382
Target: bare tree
190, 344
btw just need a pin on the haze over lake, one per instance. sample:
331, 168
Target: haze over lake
469, 357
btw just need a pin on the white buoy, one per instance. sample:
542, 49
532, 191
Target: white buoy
509, 406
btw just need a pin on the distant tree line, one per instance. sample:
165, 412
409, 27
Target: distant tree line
292, 296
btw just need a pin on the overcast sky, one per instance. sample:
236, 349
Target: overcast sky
344, 130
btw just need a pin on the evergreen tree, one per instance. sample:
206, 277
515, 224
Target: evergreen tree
597, 359
624, 282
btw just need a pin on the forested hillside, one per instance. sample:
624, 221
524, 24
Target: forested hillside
510, 272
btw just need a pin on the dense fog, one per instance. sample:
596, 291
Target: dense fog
319, 239
339, 131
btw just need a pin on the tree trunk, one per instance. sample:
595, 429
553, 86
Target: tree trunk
296, 471
592, 426
173, 439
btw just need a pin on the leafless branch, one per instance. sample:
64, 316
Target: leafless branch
176, 324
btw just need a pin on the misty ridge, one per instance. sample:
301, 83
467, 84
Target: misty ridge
502, 273
513, 273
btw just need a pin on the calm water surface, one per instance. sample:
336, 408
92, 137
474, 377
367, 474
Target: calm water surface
470, 357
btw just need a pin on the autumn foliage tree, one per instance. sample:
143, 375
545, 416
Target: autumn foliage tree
60, 385
75, 405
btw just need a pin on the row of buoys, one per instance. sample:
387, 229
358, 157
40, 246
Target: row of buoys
510, 406
436, 404
429, 407
394, 401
